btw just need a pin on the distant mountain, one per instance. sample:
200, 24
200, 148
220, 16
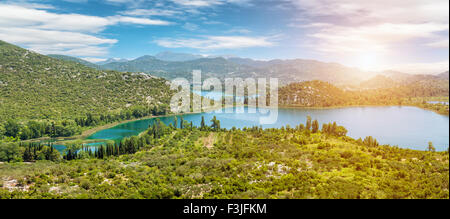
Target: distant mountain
211, 67
307, 70
254, 63
34, 86
389, 79
444, 75
407, 78
286, 70
379, 81
73, 59
177, 57
111, 60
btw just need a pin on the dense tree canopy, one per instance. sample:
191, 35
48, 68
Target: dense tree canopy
169, 162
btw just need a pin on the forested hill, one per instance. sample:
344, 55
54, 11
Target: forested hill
34, 86
73, 59
323, 94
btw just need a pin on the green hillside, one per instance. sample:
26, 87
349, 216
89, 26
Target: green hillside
73, 59
323, 94
64, 95
166, 163
34, 86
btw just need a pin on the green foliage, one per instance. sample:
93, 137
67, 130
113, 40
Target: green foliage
10, 152
41, 96
167, 162
323, 94
34, 87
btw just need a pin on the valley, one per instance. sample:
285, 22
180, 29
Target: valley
73, 129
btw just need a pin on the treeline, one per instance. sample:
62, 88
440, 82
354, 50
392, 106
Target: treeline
323, 94
66, 128
134, 144
28, 152
36, 129
180, 161
126, 146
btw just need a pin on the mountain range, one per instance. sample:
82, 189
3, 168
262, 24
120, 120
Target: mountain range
67, 86
171, 65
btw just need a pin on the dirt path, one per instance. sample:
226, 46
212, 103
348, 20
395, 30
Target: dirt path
208, 142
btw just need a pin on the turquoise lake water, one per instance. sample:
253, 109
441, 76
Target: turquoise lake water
406, 127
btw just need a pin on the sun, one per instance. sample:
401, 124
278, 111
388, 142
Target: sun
367, 61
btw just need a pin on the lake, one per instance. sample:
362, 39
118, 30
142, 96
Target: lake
404, 126
438, 102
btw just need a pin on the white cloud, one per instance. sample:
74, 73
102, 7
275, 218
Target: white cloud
190, 26
94, 59
351, 29
380, 11
68, 34
216, 42
135, 20
439, 44
209, 3
239, 30
57, 42
12, 15
343, 39
152, 12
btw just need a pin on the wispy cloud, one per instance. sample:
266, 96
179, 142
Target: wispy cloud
381, 37
69, 34
216, 42
190, 26
94, 60
371, 28
439, 44
152, 12
209, 3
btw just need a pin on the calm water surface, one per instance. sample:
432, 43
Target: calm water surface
407, 127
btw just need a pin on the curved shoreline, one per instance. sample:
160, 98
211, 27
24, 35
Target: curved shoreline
87, 133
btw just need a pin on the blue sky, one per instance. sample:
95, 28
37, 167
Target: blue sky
411, 36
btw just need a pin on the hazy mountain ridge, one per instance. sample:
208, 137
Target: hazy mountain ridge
177, 57
171, 65
286, 70
388, 79
111, 60
444, 75
211, 67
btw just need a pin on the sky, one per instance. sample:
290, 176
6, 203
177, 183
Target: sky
410, 36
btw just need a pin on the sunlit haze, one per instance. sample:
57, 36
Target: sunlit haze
409, 36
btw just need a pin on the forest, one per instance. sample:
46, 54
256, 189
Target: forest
183, 161
42, 96
324, 94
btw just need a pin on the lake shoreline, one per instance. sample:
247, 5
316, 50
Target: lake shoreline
94, 130
85, 134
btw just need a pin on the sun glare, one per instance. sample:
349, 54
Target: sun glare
367, 61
